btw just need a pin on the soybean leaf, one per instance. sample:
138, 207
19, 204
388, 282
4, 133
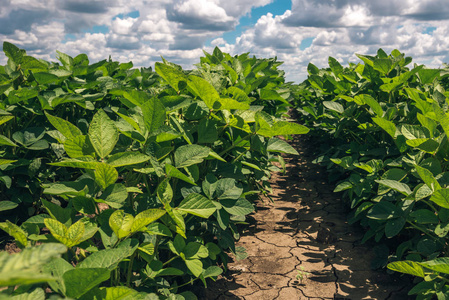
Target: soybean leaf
105, 175
383, 210
107, 258
127, 158
146, 217
188, 155
407, 267
278, 145
197, 205
103, 134
174, 172
19, 235
121, 223
395, 185
80, 280
240, 207
114, 195
65, 127
154, 114
441, 197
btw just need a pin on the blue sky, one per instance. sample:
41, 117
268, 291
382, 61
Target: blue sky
296, 31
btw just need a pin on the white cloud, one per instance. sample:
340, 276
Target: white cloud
178, 30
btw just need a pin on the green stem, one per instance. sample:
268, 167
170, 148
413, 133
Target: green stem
426, 233
184, 284
170, 260
130, 270
235, 145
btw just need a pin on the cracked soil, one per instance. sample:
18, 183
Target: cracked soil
304, 233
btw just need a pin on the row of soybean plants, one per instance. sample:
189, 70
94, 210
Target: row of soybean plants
383, 127
124, 183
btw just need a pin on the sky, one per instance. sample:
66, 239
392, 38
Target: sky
295, 31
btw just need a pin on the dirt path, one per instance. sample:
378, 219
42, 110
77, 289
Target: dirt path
304, 230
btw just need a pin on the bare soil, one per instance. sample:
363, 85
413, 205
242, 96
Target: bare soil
304, 233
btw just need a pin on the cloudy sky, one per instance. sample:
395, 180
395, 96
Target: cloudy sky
296, 31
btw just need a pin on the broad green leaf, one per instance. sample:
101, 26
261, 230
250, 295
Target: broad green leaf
383, 210
282, 128
207, 131
174, 172
194, 250
371, 102
424, 216
386, 125
197, 205
170, 74
278, 145
103, 134
13, 52
334, 106
226, 188
80, 162
69, 237
70, 188
79, 146
427, 76
154, 114
23, 267
19, 235
6, 142
195, 266
240, 207
204, 90
127, 158
65, 127
229, 104
407, 267
80, 280
395, 185
394, 226
383, 65
335, 66
440, 264
146, 217
105, 175
188, 155
441, 197
4, 119
57, 212
121, 223
107, 258
45, 78
212, 271
118, 293
7, 205
428, 178
114, 195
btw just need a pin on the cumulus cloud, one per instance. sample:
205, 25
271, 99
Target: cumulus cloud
309, 31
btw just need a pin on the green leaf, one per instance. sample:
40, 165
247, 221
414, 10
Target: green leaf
441, 197
334, 106
127, 158
103, 134
278, 145
57, 212
382, 211
174, 172
395, 185
188, 155
69, 237
335, 66
226, 188
428, 178
383, 65
229, 104
371, 102
207, 131
204, 90
4, 141
194, 250
118, 293
440, 264
424, 216
121, 223
79, 146
282, 128
154, 114
170, 74
427, 76
394, 226
80, 162
4, 119
65, 127
79, 281
13, 52
16, 232
45, 78
195, 266
115, 195
107, 258
23, 268
197, 205
7, 205
241, 207
146, 217
386, 125
407, 267
105, 175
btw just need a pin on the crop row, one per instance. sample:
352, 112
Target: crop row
124, 183
383, 127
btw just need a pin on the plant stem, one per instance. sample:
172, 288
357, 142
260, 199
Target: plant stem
170, 260
130, 270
